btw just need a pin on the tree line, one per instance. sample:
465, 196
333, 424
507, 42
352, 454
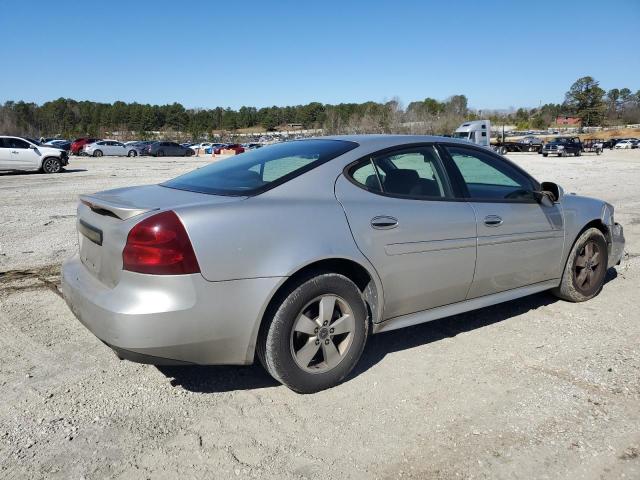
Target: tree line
70, 118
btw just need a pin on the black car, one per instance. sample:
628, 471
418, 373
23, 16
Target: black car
563, 146
171, 149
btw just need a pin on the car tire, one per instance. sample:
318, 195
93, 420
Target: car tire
97, 153
160, 153
586, 268
578, 153
132, 153
298, 345
188, 153
51, 165
545, 154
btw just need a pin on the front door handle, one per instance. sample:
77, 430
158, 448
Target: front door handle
384, 222
492, 221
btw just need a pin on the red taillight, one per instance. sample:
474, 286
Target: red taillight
159, 245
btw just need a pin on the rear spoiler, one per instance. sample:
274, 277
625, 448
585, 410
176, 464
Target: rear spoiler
120, 210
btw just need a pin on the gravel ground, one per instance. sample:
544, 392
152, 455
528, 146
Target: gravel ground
534, 388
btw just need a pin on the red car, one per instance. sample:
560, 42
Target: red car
234, 146
79, 143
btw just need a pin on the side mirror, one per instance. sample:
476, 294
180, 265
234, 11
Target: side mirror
32, 147
549, 194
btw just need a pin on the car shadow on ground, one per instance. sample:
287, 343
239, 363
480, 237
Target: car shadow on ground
65, 170
215, 379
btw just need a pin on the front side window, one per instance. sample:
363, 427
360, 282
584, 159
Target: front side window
489, 178
415, 172
17, 143
258, 170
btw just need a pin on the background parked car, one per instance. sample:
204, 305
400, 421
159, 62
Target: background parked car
22, 153
109, 147
140, 147
625, 144
233, 146
563, 146
77, 146
172, 149
59, 143
531, 140
212, 147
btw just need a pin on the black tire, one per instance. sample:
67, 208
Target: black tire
188, 152
51, 165
581, 283
160, 153
545, 154
276, 347
132, 153
97, 153
578, 153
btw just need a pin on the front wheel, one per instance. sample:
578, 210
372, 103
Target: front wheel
132, 153
545, 154
316, 335
51, 165
585, 269
160, 153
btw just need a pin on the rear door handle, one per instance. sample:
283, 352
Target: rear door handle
492, 221
384, 222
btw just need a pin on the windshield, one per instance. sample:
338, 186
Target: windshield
559, 140
258, 170
36, 142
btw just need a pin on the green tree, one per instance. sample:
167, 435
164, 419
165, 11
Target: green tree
585, 99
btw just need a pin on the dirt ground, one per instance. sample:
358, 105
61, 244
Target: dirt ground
534, 388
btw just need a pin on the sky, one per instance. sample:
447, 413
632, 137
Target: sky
500, 54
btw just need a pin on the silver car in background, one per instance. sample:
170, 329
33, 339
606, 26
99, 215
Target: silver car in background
298, 251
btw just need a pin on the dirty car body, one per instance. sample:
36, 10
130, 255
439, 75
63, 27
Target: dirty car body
425, 227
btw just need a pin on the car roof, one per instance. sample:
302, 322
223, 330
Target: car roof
379, 141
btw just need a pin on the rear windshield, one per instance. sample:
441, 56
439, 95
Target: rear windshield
259, 170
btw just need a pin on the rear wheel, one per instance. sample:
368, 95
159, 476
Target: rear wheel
586, 268
160, 153
51, 165
97, 153
316, 335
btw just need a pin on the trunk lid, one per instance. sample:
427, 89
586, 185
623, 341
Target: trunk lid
104, 220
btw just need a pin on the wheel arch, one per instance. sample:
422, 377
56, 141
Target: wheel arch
49, 156
365, 279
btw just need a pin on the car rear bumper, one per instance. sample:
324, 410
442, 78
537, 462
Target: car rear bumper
172, 319
617, 245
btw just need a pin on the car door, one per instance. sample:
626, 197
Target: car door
119, 148
520, 241
6, 161
404, 219
23, 157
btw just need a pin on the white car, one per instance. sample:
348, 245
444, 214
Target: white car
625, 144
19, 153
202, 146
109, 147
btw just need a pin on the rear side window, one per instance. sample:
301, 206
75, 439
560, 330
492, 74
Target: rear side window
415, 172
258, 170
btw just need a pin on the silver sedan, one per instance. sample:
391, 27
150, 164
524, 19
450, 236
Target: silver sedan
297, 252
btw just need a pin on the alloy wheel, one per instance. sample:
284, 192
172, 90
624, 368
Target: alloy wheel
51, 165
322, 334
588, 267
